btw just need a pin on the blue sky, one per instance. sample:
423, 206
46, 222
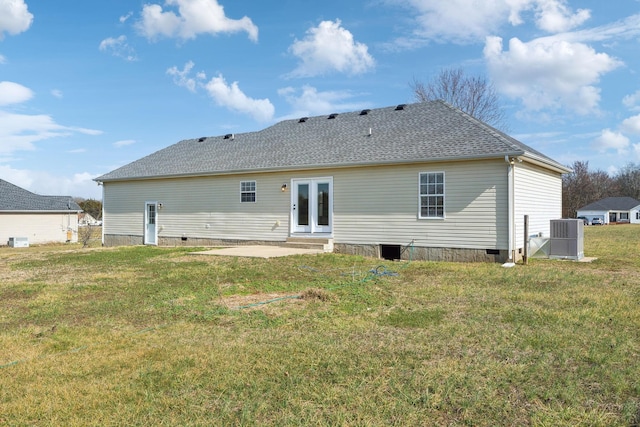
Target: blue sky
88, 86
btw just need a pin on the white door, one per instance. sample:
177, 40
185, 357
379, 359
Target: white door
150, 220
312, 205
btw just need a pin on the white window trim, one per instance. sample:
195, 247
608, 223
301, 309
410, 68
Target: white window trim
444, 196
255, 191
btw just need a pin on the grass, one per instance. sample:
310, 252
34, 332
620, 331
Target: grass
155, 336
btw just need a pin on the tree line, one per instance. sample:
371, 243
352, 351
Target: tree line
582, 186
91, 206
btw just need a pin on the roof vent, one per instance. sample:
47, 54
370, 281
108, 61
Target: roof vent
303, 119
202, 138
400, 107
333, 115
364, 112
229, 136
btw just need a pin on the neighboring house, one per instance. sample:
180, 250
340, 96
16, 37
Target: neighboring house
85, 219
41, 219
421, 180
612, 210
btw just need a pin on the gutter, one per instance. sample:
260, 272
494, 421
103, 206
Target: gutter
493, 156
40, 211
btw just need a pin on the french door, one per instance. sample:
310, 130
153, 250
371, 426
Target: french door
312, 205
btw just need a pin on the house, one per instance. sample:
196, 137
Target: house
85, 219
421, 180
612, 210
40, 219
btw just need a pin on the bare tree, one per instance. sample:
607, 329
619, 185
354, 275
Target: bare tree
581, 187
475, 95
628, 180
86, 234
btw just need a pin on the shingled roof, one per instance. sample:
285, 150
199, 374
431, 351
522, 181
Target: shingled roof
421, 132
612, 204
16, 199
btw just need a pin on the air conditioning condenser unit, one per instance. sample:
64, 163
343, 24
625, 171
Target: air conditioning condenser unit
19, 242
567, 239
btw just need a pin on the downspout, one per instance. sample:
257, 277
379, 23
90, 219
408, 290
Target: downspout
102, 218
511, 202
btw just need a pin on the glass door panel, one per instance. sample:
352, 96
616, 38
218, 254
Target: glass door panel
322, 209
303, 204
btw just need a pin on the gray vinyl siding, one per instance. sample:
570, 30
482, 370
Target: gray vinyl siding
381, 206
539, 195
199, 207
371, 205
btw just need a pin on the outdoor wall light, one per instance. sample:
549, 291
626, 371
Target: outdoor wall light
283, 188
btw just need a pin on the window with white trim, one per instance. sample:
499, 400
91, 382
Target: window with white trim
247, 191
431, 195
624, 216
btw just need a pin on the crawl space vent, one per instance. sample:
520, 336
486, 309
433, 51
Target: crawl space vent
390, 252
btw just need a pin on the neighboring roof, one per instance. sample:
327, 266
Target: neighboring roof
430, 131
14, 198
612, 204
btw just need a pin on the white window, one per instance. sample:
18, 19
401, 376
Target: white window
624, 216
247, 191
431, 195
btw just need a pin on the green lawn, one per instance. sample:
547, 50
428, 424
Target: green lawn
157, 336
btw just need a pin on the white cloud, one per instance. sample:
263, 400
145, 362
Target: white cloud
77, 151
14, 17
118, 47
631, 125
308, 101
14, 93
57, 93
555, 16
182, 77
194, 17
230, 96
468, 21
623, 29
328, 48
75, 185
548, 72
226, 95
124, 143
21, 131
610, 140
3, 59
124, 18
632, 101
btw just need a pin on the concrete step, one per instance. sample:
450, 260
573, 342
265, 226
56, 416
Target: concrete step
318, 246
322, 244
